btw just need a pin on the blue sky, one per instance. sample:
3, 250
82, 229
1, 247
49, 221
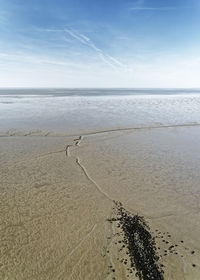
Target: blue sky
90, 43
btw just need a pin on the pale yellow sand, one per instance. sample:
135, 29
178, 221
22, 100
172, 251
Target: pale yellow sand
57, 194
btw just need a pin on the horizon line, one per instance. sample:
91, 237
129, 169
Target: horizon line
126, 88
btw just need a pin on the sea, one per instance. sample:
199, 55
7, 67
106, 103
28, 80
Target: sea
74, 111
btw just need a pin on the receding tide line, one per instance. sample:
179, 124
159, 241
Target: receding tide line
51, 134
140, 128
92, 181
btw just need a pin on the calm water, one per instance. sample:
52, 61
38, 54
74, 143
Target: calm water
86, 110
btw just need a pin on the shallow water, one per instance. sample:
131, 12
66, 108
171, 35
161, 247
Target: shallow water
79, 112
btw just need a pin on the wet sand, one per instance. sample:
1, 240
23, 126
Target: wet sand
57, 201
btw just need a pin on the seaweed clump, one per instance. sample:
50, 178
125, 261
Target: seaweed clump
141, 245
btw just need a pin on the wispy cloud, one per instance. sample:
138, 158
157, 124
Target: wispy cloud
24, 59
68, 35
3, 18
109, 60
3, 55
152, 8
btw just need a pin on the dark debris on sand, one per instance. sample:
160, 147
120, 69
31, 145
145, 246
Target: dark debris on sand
140, 243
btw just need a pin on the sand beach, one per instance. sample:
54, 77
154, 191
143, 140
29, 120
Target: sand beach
118, 203
58, 197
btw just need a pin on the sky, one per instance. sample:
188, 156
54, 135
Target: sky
100, 43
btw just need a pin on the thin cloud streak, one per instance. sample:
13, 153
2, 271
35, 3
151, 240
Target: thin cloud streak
152, 9
16, 59
109, 60
3, 18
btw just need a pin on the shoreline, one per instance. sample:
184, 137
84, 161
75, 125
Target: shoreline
39, 133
